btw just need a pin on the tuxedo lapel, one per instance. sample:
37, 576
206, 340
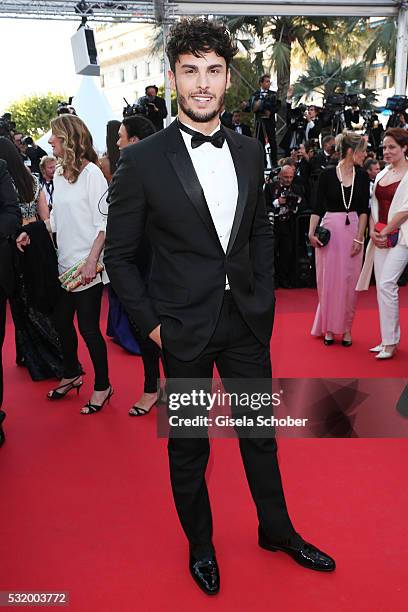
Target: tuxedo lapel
241, 171
184, 169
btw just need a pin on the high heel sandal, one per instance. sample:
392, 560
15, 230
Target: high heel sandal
92, 408
55, 393
137, 411
328, 341
346, 342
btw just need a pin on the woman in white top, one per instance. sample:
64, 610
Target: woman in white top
389, 257
78, 218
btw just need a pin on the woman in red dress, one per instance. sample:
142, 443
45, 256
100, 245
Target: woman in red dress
388, 248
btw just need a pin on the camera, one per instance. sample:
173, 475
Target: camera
65, 108
292, 199
137, 108
397, 104
297, 117
269, 102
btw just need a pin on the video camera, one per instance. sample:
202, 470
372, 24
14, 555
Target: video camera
397, 104
340, 101
269, 101
135, 109
65, 108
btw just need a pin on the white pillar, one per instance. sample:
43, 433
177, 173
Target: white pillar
167, 88
401, 60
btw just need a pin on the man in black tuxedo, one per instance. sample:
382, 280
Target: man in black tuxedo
265, 104
210, 297
238, 126
10, 218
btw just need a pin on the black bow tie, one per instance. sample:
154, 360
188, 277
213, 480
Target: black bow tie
198, 139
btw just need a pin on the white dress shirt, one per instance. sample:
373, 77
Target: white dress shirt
77, 217
216, 172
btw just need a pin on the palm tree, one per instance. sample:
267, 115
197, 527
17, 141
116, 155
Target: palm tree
281, 35
331, 76
384, 42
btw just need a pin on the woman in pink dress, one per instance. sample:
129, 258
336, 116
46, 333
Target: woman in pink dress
342, 205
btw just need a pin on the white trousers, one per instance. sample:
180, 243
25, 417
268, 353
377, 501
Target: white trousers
389, 264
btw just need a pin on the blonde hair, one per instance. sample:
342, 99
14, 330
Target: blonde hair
76, 142
45, 160
349, 140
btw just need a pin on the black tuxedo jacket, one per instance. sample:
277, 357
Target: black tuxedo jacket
156, 190
246, 130
10, 218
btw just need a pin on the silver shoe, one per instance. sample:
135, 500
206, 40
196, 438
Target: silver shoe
385, 354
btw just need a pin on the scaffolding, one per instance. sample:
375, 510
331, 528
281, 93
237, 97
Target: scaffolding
166, 11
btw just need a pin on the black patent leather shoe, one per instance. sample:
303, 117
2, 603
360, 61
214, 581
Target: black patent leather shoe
206, 574
303, 553
328, 341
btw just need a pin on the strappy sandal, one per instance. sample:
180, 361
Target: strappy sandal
137, 411
92, 408
55, 394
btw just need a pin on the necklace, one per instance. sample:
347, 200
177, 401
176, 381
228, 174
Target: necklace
347, 205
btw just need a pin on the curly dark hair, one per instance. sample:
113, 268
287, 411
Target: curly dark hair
198, 36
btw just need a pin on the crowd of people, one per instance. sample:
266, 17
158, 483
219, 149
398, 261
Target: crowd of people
191, 269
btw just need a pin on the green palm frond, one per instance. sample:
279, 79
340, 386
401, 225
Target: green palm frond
384, 43
330, 77
280, 57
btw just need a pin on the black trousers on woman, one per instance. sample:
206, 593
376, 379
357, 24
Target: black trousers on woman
150, 354
87, 305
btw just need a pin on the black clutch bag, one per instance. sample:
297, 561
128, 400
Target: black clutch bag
322, 234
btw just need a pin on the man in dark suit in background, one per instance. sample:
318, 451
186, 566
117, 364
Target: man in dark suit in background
265, 104
10, 218
238, 126
155, 106
210, 298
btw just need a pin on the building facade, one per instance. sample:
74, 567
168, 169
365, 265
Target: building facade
126, 62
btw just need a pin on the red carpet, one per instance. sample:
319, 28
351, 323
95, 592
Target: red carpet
86, 505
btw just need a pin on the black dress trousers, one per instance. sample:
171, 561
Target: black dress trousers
238, 354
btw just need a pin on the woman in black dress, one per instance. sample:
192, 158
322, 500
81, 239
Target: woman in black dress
37, 343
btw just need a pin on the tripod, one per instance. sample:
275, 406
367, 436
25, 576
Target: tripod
337, 123
261, 133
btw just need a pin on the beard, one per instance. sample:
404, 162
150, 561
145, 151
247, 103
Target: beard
193, 115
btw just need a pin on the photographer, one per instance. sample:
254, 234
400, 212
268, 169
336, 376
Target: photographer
313, 123
264, 104
295, 125
323, 158
22, 146
284, 198
300, 157
34, 153
153, 107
